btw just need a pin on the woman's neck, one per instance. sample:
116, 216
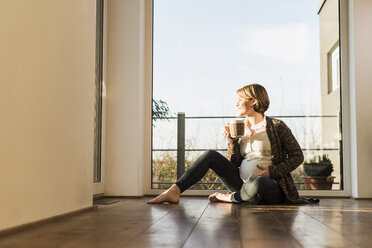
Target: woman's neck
254, 119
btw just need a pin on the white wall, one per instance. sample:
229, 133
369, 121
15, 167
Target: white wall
360, 40
127, 107
329, 36
47, 72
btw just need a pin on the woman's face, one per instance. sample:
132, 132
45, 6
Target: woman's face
245, 106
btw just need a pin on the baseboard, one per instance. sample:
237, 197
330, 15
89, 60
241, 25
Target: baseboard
328, 197
98, 197
52, 219
361, 198
124, 196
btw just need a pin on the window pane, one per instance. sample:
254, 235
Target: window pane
203, 51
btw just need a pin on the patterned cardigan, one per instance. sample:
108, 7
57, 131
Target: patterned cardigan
286, 155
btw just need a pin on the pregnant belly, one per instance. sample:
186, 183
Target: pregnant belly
249, 168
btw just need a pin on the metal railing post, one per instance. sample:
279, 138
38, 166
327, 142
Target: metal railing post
180, 144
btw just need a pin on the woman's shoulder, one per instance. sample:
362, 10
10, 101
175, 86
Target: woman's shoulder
274, 121
278, 124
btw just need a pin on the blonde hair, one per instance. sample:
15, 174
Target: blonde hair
258, 93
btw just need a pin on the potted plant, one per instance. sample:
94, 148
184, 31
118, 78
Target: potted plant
318, 172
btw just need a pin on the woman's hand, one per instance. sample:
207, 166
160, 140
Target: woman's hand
264, 172
226, 132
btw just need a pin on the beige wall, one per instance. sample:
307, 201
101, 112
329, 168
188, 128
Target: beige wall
360, 88
47, 50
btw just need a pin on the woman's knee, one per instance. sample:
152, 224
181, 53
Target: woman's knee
211, 153
205, 158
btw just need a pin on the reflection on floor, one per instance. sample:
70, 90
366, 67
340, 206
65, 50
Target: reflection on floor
197, 223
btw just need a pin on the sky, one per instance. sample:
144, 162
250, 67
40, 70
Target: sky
204, 50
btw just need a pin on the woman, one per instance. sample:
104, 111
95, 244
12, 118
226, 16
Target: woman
258, 165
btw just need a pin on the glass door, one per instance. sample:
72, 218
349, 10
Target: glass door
203, 51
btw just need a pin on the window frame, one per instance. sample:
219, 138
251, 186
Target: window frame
344, 117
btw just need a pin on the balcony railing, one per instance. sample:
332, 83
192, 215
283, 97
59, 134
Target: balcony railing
181, 141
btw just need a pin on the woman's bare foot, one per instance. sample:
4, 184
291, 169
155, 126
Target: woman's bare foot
213, 197
219, 197
172, 195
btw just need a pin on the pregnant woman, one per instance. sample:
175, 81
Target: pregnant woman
258, 165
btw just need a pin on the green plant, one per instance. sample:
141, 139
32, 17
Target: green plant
318, 166
160, 110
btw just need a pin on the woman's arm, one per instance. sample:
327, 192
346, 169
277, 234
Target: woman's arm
293, 150
233, 151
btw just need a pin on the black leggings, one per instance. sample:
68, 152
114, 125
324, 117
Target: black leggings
226, 171
265, 191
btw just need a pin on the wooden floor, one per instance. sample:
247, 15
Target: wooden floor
197, 223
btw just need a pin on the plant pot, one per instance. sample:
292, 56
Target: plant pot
318, 182
318, 169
